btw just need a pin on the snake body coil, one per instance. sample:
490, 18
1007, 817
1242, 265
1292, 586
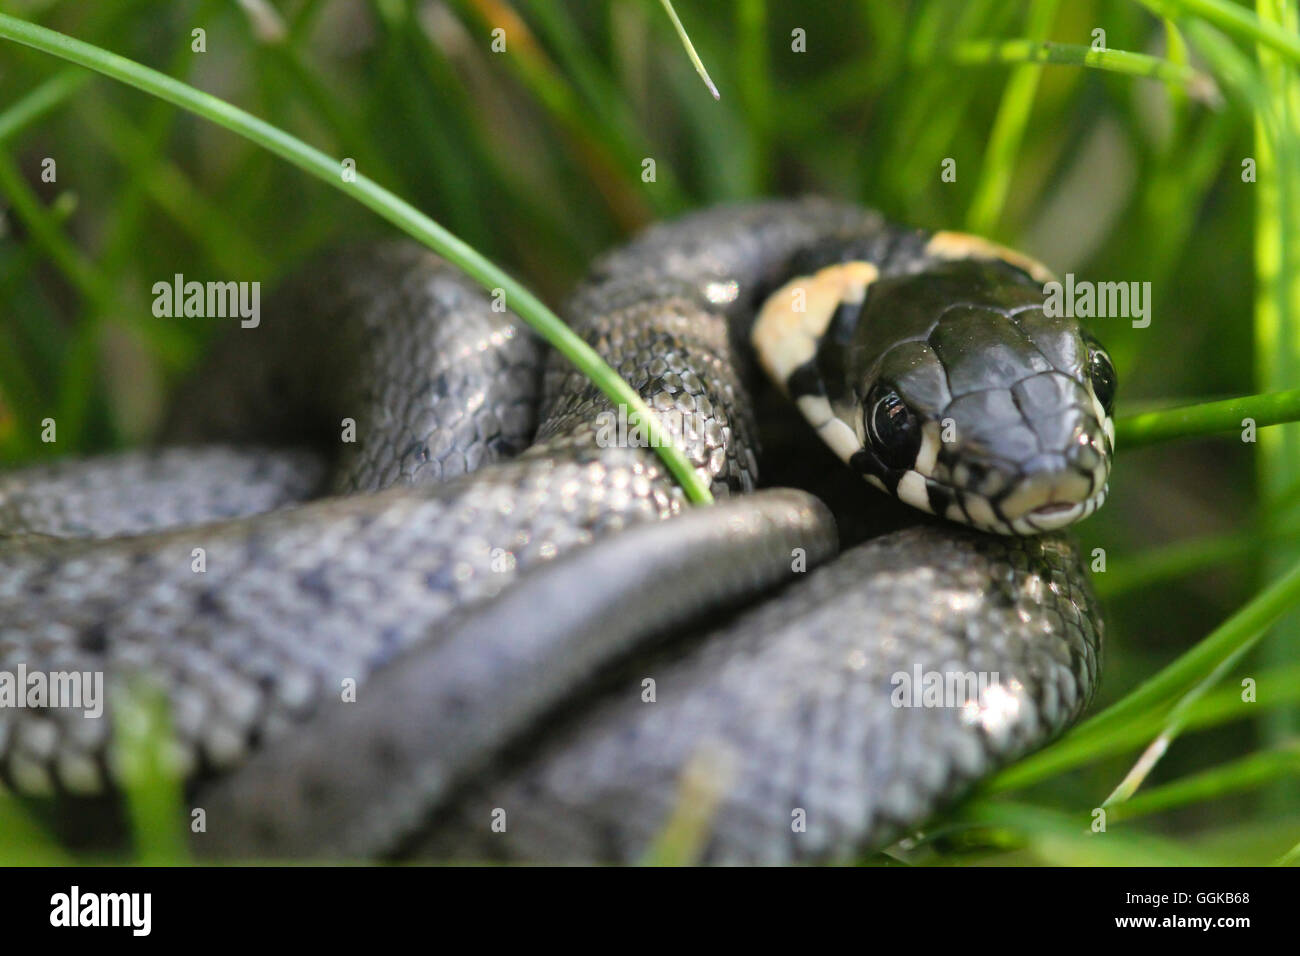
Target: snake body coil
543, 668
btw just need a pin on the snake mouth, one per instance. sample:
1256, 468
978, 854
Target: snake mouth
964, 505
1058, 514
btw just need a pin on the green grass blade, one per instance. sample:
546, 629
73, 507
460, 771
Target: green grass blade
152, 788
1277, 295
1278, 689
1174, 725
1008, 131
22, 841
1207, 418
1236, 71
611, 155
1066, 839
754, 72
47, 234
1169, 563
1198, 85
690, 49
1248, 773
172, 191
1126, 575
40, 101
1233, 19
401, 214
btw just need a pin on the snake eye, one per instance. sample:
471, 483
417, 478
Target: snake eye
1102, 375
892, 428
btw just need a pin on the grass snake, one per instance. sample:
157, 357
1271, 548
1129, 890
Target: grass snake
406, 582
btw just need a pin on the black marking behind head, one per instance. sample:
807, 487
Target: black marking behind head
806, 380
832, 351
889, 250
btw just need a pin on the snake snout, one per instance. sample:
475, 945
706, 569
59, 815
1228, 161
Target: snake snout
1030, 458
1064, 479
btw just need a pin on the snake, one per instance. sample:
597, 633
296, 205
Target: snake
410, 586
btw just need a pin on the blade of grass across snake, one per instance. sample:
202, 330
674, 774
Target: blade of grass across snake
387, 205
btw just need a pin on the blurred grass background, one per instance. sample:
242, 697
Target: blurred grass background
535, 156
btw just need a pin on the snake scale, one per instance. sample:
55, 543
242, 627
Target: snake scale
467, 631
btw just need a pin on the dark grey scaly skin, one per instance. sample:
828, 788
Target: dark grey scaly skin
137, 491
793, 695
438, 382
787, 708
489, 676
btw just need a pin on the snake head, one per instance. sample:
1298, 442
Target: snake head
953, 390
